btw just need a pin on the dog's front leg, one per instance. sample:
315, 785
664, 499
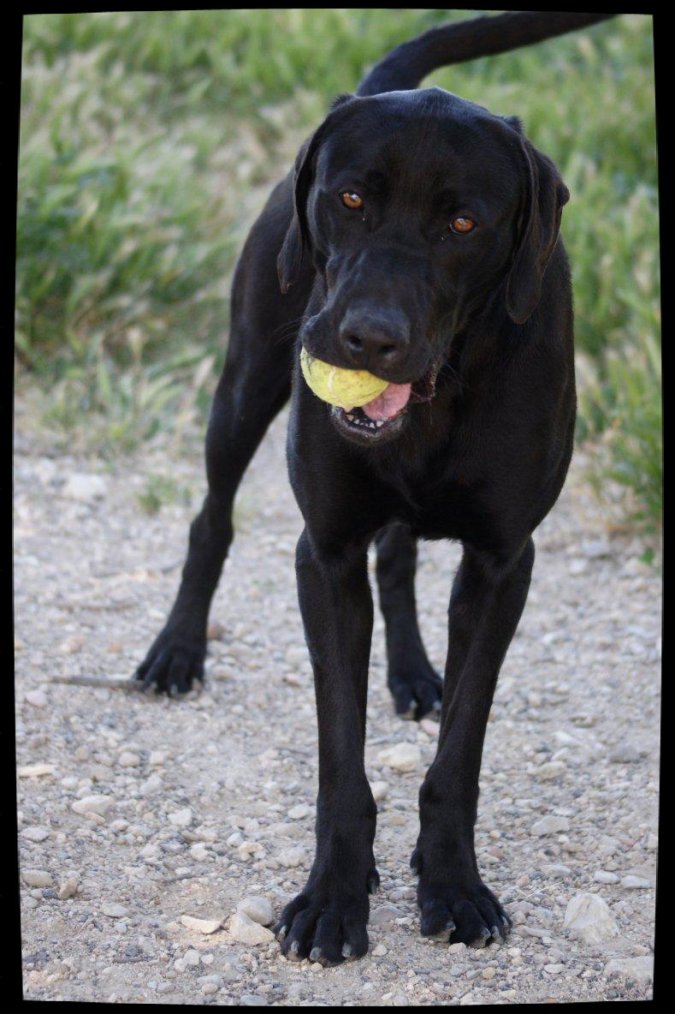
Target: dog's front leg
327, 921
487, 601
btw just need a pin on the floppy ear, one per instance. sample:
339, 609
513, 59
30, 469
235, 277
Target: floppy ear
297, 236
545, 196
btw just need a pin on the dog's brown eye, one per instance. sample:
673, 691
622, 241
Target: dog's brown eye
462, 224
351, 199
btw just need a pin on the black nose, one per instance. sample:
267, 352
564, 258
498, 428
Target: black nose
374, 338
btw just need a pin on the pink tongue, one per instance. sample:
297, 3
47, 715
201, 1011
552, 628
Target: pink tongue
393, 400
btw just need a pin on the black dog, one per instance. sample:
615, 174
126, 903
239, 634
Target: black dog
417, 240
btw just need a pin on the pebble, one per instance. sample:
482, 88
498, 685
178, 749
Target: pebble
68, 888
641, 968
114, 910
550, 825
35, 770
258, 909
550, 770
93, 804
300, 811
605, 877
632, 881
385, 915
380, 791
589, 918
181, 818
627, 753
37, 698
253, 1000
246, 931
36, 833
84, 487
293, 856
37, 878
401, 757
205, 926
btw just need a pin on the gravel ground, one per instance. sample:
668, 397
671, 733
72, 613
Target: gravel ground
139, 815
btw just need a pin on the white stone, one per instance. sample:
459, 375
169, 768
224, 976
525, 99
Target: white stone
257, 908
605, 877
181, 818
293, 856
37, 698
113, 910
205, 926
401, 756
35, 770
246, 931
37, 878
93, 804
300, 811
550, 825
630, 880
589, 918
84, 487
380, 791
36, 833
641, 969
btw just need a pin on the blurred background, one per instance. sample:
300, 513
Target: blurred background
150, 140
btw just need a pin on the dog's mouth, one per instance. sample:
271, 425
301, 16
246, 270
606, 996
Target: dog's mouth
385, 416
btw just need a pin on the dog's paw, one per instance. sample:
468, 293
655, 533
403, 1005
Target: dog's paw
467, 913
172, 666
326, 925
417, 690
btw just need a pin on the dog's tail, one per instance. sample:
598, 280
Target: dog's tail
410, 63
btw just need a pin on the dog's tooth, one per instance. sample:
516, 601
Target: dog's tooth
351, 417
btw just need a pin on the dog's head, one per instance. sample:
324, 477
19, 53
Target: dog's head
417, 209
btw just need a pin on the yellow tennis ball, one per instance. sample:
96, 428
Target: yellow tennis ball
346, 388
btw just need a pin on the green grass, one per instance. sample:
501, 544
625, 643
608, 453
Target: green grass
149, 141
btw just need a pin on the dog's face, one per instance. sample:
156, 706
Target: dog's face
418, 208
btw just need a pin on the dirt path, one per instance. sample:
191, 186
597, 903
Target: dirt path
136, 812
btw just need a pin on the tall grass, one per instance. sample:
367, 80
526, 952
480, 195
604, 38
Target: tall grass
149, 141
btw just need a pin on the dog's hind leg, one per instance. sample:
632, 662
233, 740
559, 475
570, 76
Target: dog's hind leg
255, 384
414, 685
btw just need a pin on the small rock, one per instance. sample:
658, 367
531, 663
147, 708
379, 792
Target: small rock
627, 753
36, 833
181, 818
246, 931
205, 926
300, 811
68, 888
380, 790
113, 910
550, 770
550, 825
258, 909
253, 1000
641, 969
605, 877
250, 848
588, 917
293, 856
35, 770
128, 760
489, 972
191, 959
385, 915
379, 951
430, 727
93, 804
37, 878
84, 487
630, 880
37, 698
401, 756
